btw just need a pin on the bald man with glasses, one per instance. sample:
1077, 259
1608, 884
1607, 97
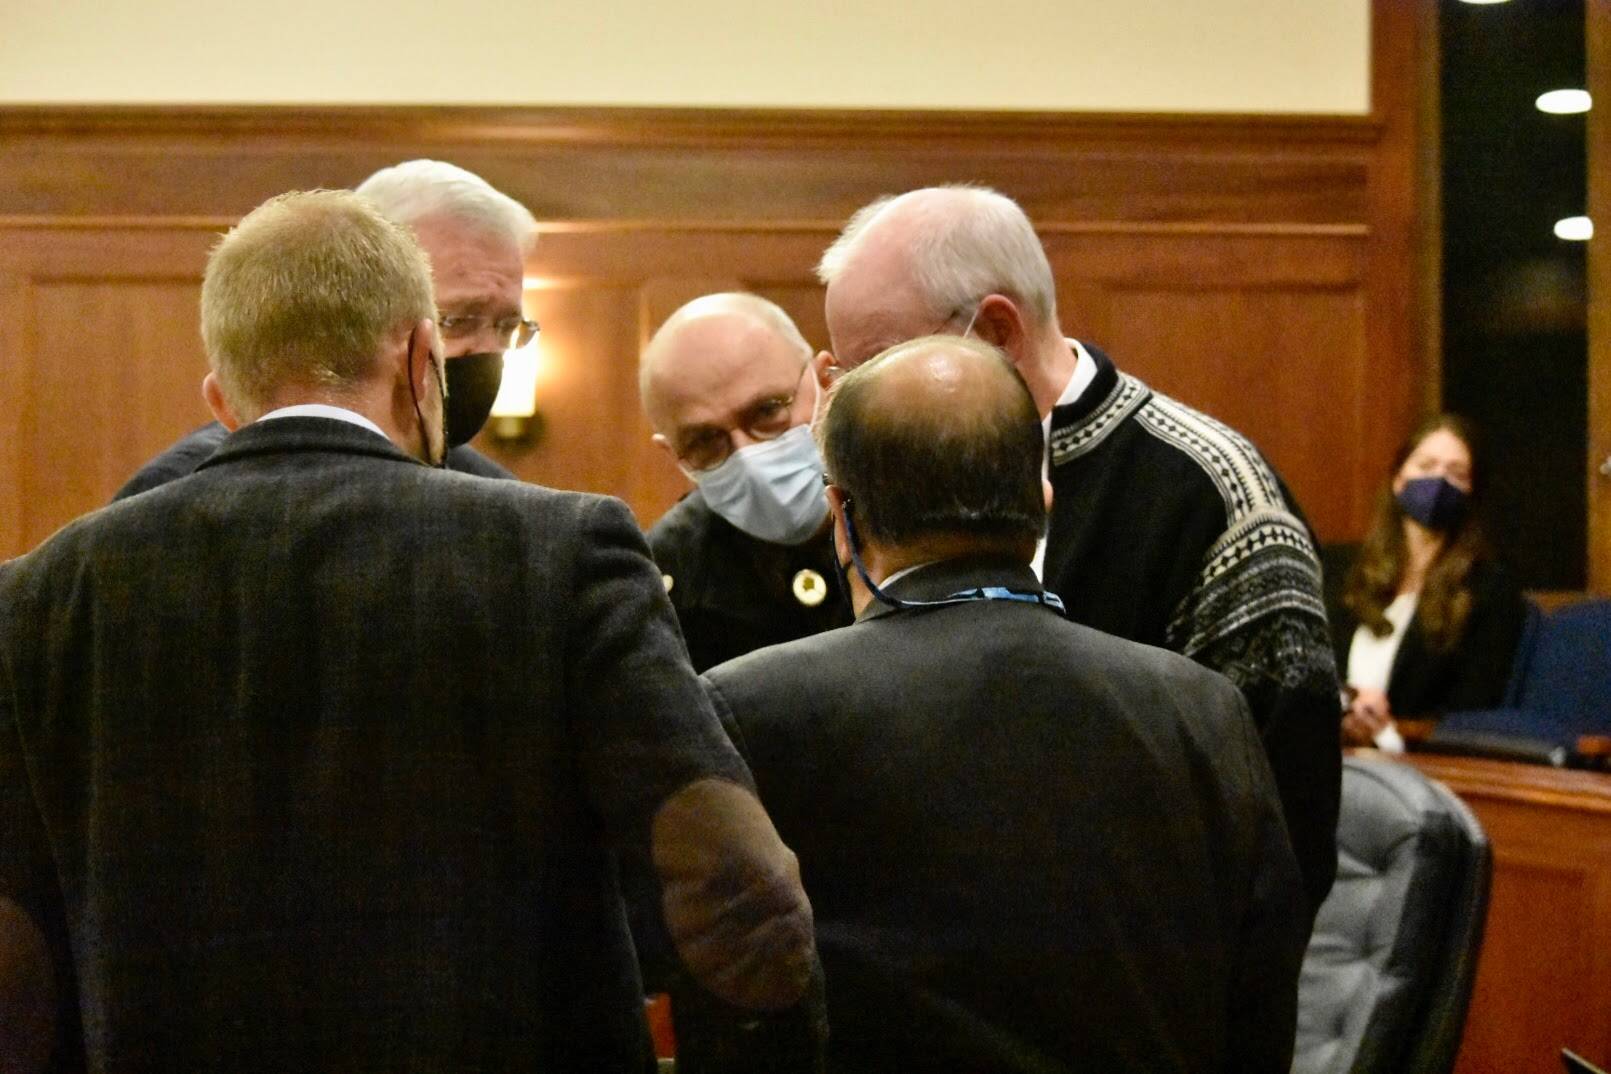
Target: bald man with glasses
745, 554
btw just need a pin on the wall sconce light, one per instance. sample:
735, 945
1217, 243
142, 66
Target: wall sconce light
514, 413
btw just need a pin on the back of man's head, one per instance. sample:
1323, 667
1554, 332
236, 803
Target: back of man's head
305, 292
937, 438
419, 189
956, 244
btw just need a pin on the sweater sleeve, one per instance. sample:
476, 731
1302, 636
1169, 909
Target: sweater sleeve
1255, 615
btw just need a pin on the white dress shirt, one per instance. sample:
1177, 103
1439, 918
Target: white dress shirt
1084, 373
324, 410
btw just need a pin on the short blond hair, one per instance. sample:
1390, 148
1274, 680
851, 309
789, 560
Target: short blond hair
306, 290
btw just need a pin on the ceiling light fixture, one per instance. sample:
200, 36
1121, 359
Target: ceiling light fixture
1575, 229
1564, 102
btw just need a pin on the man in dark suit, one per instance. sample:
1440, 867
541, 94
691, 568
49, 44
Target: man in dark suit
477, 238
1030, 846
313, 760
745, 554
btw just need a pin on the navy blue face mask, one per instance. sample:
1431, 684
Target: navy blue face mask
1433, 502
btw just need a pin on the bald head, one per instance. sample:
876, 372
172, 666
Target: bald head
717, 366
920, 263
937, 438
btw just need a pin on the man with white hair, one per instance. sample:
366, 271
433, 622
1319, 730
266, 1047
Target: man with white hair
1166, 528
726, 388
315, 759
477, 239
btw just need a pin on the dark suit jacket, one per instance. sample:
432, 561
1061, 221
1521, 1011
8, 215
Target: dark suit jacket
1029, 846
735, 593
195, 447
308, 762
1427, 681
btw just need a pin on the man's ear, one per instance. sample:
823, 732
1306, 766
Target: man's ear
1000, 323
825, 370
841, 536
213, 393
664, 444
418, 352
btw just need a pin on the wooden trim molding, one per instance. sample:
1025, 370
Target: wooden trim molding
1557, 788
676, 127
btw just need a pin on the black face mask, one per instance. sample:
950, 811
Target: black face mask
472, 385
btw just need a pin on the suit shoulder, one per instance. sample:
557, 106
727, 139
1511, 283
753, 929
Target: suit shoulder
465, 459
789, 666
681, 530
521, 497
179, 460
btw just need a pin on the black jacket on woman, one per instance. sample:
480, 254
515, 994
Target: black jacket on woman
1472, 674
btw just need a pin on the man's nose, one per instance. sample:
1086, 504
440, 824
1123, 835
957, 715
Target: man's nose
486, 338
740, 439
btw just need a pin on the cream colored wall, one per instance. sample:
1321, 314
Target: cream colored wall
1099, 55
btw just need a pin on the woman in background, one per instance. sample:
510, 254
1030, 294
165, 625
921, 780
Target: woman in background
1429, 622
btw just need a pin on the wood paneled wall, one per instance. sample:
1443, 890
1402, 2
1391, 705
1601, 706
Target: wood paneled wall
1261, 268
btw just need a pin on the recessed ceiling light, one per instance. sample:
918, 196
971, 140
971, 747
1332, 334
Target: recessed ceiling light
1575, 229
1485, 1
1563, 102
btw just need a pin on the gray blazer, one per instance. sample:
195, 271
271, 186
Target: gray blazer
1029, 846
311, 761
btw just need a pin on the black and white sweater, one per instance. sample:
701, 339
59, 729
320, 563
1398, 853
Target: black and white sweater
1169, 528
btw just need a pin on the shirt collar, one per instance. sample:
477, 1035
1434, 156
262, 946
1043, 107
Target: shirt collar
324, 410
1084, 373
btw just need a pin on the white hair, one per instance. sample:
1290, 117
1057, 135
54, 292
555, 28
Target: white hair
410, 191
967, 242
759, 310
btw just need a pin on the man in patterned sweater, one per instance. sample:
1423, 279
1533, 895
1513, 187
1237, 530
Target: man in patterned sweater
1167, 527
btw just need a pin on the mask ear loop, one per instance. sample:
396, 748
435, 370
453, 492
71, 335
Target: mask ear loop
419, 415
861, 568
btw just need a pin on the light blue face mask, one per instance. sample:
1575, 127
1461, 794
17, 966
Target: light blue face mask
772, 490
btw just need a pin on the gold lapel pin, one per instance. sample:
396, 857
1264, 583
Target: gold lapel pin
809, 588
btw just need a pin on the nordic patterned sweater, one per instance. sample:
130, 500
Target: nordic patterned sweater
1169, 528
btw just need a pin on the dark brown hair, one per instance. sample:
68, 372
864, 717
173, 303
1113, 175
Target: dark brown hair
1445, 601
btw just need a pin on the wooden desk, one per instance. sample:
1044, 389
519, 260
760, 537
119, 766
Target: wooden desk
1544, 979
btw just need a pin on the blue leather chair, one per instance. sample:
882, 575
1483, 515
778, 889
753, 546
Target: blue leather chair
1560, 690
1387, 978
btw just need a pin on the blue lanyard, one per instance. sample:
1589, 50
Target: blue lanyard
999, 592
968, 596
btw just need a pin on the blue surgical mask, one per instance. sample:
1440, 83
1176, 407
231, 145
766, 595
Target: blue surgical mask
772, 490
1433, 502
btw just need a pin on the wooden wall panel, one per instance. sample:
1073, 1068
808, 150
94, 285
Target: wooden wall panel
106, 367
1239, 263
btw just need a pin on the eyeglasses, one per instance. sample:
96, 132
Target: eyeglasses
515, 331
707, 447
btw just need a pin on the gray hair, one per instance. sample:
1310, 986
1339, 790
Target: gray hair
410, 191
737, 303
308, 289
969, 241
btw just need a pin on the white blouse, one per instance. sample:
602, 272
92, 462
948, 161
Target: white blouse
1370, 658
